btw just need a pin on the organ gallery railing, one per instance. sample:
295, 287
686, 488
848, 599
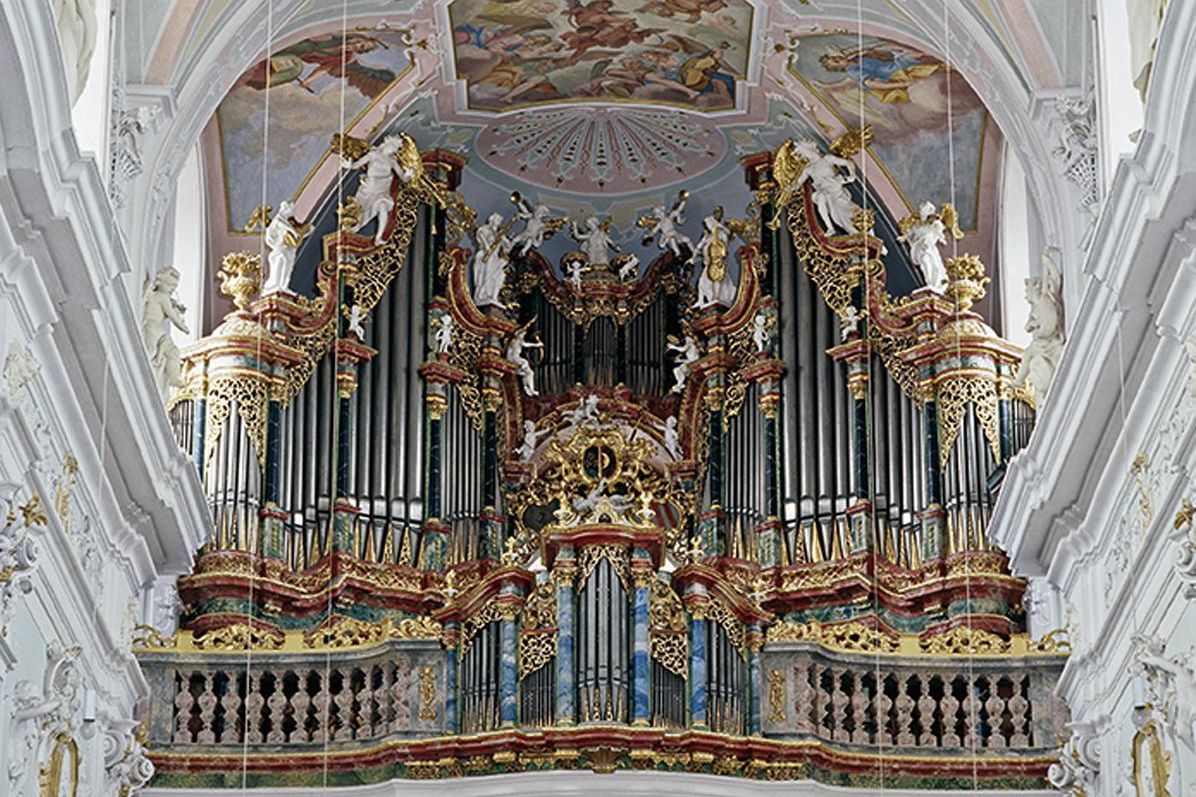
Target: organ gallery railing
618, 495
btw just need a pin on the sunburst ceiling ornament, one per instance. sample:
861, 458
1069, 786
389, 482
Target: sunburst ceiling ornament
606, 150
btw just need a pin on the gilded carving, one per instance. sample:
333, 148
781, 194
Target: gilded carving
1151, 763
964, 641
776, 696
668, 639
240, 636
427, 693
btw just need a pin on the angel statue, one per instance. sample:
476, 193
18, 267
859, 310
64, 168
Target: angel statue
490, 261
585, 413
538, 226
381, 163
924, 234
355, 322
689, 353
1045, 325
443, 337
523, 366
1173, 679
284, 234
662, 225
159, 312
531, 438
672, 440
595, 240
762, 331
827, 174
577, 268
715, 285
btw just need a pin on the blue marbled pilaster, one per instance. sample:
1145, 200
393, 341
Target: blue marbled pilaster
697, 672
451, 720
755, 688
565, 681
508, 676
640, 709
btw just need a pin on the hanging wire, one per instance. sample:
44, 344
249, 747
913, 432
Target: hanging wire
253, 545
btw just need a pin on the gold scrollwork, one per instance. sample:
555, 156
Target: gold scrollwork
953, 395
537, 633
668, 640
962, 640
491, 612
240, 636
776, 696
250, 394
427, 693
1152, 772
617, 555
720, 614
62, 769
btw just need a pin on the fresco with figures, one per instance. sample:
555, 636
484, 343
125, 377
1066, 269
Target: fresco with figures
515, 54
903, 94
308, 81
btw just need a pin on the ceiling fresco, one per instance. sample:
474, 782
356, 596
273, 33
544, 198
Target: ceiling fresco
923, 114
517, 53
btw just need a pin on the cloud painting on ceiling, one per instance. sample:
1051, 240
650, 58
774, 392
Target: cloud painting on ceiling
517, 53
903, 93
307, 81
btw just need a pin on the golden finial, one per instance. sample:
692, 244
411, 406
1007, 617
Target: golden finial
240, 277
965, 281
510, 556
696, 553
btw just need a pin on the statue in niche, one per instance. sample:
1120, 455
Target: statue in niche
662, 225
381, 164
284, 234
715, 286
596, 243
672, 440
524, 367
924, 234
159, 312
538, 226
1045, 325
531, 438
443, 337
688, 353
1172, 680
490, 261
76, 23
828, 175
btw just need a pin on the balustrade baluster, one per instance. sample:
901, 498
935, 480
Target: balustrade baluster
949, 709
302, 703
905, 713
859, 710
1019, 708
231, 703
927, 706
255, 701
277, 705
994, 708
804, 707
839, 701
184, 708
207, 709
341, 727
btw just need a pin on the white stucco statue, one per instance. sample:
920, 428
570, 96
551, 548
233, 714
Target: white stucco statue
490, 261
531, 438
373, 191
538, 225
1045, 324
849, 322
688, 353
672, 440
630, 269
828, 175
523, 366
576, 269
76, 23
1173, 681
585, 413
284, 234
354, 322
595, 240
663, 226
715, 286
443, 336
924, 234
159, 312
760, 331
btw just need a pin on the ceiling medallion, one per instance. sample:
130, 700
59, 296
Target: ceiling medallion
602, 150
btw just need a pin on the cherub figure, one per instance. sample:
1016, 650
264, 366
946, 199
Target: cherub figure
585, 413
664, 226
1045, 324
443, 336
354, 322
828, 175
595, 241
284, 234
630, 268
689, 353
577, 269
672, 439
761, 335
531, 438
924, 234
159, 312
849, 322
373, 192
490, 261
538, 226
515, 355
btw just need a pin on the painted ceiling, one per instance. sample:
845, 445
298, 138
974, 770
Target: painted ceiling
604, 107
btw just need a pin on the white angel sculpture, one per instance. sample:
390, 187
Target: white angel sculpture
760, 331
828, 174
523, 366
688, 353
373, 191
531, 438
159, 312
284, 234
576, 269
630, 269
662, 225
849, 322
715, 285
924, 234
1045, 324
672, 440
595, 241
538, 226
443, 337
490, 261
355, 322
585, 413
1175, 682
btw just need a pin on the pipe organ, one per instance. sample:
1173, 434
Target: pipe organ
608, 494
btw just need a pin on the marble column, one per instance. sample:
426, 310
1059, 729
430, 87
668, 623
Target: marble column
452, 658
642, 575
508, 685
697, 664
564, 571
271, 515
755, 639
